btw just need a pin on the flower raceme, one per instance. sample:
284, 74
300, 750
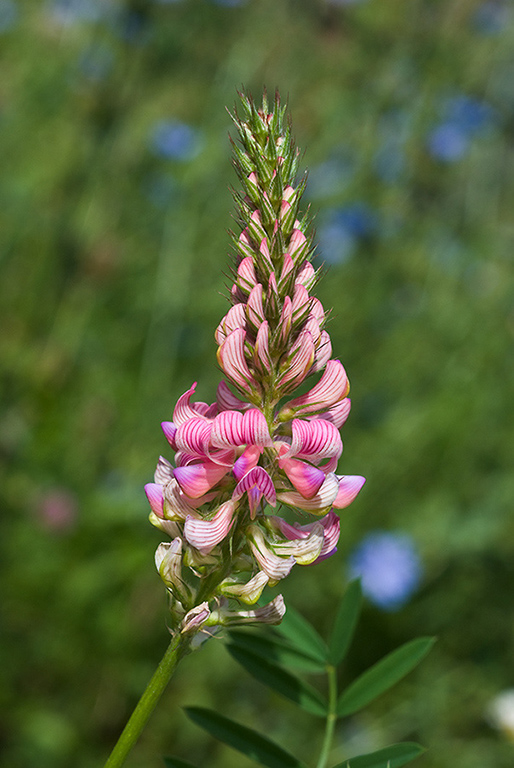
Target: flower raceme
256, 451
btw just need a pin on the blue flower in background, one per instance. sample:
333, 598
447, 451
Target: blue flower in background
69, 12
463, 118
175, 140
492, 18
389, 567
8, 15
344, 229
390, 162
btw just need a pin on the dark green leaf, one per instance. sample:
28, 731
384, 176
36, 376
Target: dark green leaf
176, 762
245, 740
383, 675
302, 635
345, 623
281, 681
275, 650
390, 757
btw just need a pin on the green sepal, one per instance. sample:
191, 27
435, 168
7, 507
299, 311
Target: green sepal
279, 680
245, 740
393, 756
383, 675
345, 623
276, 651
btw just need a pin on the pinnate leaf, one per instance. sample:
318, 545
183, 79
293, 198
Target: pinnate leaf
383, 675
302, 635
245, 740
345, 623
275, 650
281, 681
390, 757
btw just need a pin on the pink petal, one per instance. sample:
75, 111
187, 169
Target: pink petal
274, 567
164, 471
307, 275
155, 498
169, 429
258, 478
255, 428
287, 270
349, 487
245, 243
286, 319
194, 435
323, 352
197, 479
227, 429
304, 477
330, 389
247, 278
316, 309
299, 364
261, 349
247, 461
183, 409
205, 534
288, 193
255, 307
332, 525
317, 439
235, 318
301, 303
322, 501
178, 505
264, 252
337, 414
233, 362
297, 245
227, 401
312, 325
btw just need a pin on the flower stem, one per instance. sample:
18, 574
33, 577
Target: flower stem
331, 716
178, 647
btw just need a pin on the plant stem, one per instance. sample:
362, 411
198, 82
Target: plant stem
331, 716
177, 648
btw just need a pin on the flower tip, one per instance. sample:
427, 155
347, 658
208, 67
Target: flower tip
155, 498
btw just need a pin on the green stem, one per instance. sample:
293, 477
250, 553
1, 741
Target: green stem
331, 716
178, 648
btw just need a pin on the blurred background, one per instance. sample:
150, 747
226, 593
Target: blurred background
114, 208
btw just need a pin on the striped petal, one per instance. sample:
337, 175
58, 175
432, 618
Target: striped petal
235, 318
337, 414
227, 429
304, 477
257, 478
330, 389
205, 534
297, 246
323, 352
232, 360
274, 566
261, 355
164, 471
298, 366
306, 275
193, 436
255, 428
176, 506
250, 592
305, 549
317, 439
301, 303
272, 613
183, 409
349, 487
246, 277
155, 498
255, 307
320, 503
286, 319
227, 401
247, 461
197, 479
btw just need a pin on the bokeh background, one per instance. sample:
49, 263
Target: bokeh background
115, 205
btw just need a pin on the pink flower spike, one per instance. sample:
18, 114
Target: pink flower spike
320, 503
194, 435
169, 429
255, 428
197, 479
205, 534
233, 362
330, 389
304, 477
247, 461
155, 498
349, 487
227, 429
227, 401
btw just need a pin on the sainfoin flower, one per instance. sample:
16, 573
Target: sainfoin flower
258, 449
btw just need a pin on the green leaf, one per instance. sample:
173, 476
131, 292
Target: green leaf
389, 757
176, 762
275, 651
245, 740
345, 623
302, 635
383, 675
281, 681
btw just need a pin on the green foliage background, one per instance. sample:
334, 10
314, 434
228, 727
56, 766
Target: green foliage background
113, 260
